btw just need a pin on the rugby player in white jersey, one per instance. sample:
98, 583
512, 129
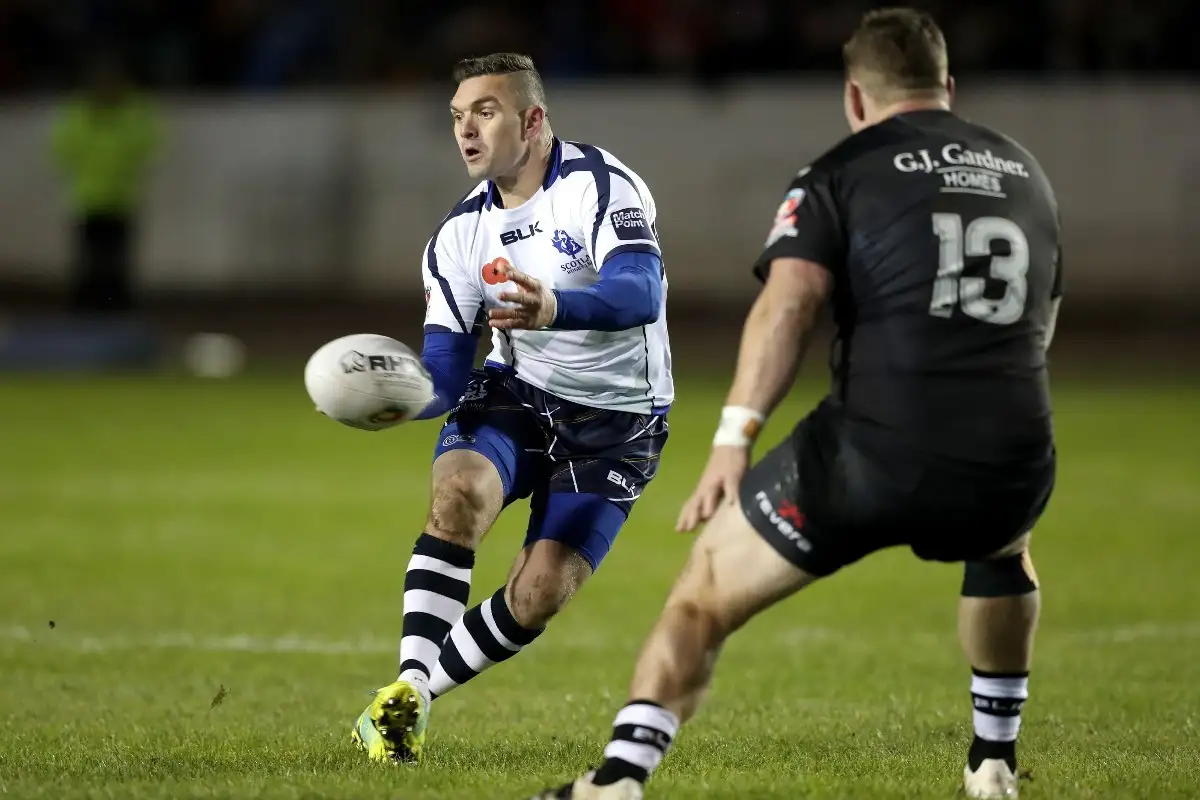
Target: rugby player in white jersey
556, 252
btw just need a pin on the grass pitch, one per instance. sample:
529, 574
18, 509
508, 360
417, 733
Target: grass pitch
199, 583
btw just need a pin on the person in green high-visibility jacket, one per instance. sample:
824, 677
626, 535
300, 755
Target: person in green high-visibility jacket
103, 140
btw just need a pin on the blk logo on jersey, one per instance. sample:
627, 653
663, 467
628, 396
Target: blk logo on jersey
521, 234
564, 244
630, 224
491, 271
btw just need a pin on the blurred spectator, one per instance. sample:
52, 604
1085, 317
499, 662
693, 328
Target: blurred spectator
102, 141
231, 45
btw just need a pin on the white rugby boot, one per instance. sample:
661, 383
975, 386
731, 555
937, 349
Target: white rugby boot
584, 789
994, 780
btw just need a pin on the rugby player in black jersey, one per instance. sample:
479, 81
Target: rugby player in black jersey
936, 242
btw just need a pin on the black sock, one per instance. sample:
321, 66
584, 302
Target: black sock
982, 749
616, 769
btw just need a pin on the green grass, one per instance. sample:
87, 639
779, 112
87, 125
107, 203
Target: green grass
185, 536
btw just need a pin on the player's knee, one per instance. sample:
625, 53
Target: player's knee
695, 598
462, 508
1008, 576
534, 597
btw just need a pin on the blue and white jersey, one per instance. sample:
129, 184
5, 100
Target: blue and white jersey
590, 208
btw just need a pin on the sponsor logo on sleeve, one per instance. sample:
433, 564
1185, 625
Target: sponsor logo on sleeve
630, 224
785, 217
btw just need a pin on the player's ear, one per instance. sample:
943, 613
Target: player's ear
853, 100
949, 88
535, 118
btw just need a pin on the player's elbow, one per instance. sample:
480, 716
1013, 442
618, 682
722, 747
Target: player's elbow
633, 283
638, 310
447, 357
651, 298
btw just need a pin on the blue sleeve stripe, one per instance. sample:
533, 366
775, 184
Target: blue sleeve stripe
632, 248
628, 294
468, 205
448, 357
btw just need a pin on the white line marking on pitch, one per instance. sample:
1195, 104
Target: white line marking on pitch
246, 643
238, 643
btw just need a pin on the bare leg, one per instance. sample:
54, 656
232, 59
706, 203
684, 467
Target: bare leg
996, 633
997, 620
466, 498
544, 577
731, 575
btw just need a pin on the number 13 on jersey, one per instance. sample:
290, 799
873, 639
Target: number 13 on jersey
956, 245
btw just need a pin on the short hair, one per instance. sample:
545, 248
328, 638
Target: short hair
897, 51
526, 79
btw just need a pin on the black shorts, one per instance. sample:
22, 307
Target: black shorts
832, 493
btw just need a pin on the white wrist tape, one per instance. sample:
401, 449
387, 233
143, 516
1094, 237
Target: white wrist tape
739, 427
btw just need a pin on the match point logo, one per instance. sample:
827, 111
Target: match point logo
491, 271
630, 224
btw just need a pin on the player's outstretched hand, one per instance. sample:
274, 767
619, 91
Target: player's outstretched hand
535, 305
718, 484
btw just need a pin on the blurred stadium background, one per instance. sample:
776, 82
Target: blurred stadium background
302, 148
163, 538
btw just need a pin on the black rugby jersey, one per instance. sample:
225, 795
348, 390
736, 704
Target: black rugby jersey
942, 237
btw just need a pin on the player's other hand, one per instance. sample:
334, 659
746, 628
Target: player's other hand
719, 484
535, 306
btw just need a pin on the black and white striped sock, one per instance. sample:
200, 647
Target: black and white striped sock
436, 588
642, 735
485, 636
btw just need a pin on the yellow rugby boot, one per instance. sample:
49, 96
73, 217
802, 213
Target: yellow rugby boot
392, 728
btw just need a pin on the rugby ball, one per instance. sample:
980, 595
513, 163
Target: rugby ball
367, 381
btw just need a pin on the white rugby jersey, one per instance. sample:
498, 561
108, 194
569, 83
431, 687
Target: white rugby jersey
590, 207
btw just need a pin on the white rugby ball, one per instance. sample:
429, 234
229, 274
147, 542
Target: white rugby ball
367, 381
